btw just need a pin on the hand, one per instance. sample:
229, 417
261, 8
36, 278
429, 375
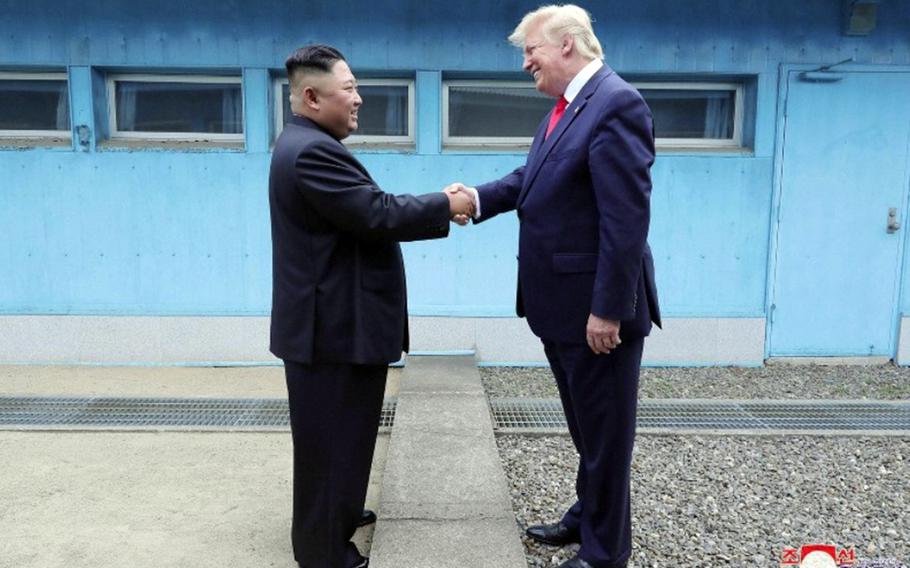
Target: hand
454, 187
461, 220
461, 203
602, 334
460, 187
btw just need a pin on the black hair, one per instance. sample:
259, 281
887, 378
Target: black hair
313, 58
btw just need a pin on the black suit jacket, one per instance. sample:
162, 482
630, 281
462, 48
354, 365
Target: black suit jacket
338, 289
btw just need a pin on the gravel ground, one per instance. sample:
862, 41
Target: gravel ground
885, 382
732, 500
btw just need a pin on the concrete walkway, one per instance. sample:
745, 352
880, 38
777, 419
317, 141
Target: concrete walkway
151, 499
172, 499
444, 500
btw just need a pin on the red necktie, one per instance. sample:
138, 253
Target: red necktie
558, 111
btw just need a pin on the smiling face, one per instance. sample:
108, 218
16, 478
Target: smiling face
547, 62
338, 101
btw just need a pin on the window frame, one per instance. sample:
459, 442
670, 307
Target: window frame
736, 142
66, 135
483, 142
360, 140
116, 134
515, 142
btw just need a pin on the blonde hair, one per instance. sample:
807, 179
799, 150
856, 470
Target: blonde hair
558, 21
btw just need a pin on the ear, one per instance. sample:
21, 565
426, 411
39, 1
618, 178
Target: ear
310, 97
568, 44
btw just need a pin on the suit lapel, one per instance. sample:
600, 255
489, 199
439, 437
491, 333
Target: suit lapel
541, 148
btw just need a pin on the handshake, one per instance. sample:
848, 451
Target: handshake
462, 202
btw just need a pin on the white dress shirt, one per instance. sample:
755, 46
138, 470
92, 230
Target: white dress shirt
580, 80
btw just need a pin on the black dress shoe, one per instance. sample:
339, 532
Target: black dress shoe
575, 563
556, 534
579, 563
359, 562
368, 517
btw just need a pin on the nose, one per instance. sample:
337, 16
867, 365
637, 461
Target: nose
357, 100
526, 63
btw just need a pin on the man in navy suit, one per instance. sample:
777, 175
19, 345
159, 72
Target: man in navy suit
585, 272
339, 312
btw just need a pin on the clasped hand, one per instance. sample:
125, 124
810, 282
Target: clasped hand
461, 203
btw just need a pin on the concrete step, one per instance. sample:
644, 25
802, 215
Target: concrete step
444, 499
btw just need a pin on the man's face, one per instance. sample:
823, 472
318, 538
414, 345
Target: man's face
544, 61
339, 101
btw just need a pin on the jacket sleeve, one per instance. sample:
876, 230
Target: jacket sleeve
621, 152
500, 196
332, 182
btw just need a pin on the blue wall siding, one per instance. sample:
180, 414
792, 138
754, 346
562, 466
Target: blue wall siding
109, 231
658, 35
134, 233
904, 289
709, 227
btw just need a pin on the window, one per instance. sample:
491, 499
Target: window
176, 107
34, 105
491, 113
695, 115
386, 117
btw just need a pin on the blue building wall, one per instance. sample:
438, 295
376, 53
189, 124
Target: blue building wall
100, 230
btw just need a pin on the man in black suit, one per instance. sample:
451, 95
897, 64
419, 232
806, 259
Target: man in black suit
339, 313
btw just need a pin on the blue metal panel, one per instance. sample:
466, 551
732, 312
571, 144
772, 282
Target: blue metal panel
166, 232
82, 115
141, 233
765, 115
708, 227
473, 271
256, 109
429, 135
701, 35
844, 165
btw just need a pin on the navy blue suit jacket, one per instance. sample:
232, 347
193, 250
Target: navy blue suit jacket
583, 203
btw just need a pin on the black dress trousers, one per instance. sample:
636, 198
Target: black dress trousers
335, 411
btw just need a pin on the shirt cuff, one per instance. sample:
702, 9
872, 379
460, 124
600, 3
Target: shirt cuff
476, 201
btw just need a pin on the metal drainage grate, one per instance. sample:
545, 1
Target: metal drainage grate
546, 415
178, 413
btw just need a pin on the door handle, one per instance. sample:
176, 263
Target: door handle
893, 223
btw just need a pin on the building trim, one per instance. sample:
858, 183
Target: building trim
240, 340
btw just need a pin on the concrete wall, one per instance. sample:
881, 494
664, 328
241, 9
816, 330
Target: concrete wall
231, 340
